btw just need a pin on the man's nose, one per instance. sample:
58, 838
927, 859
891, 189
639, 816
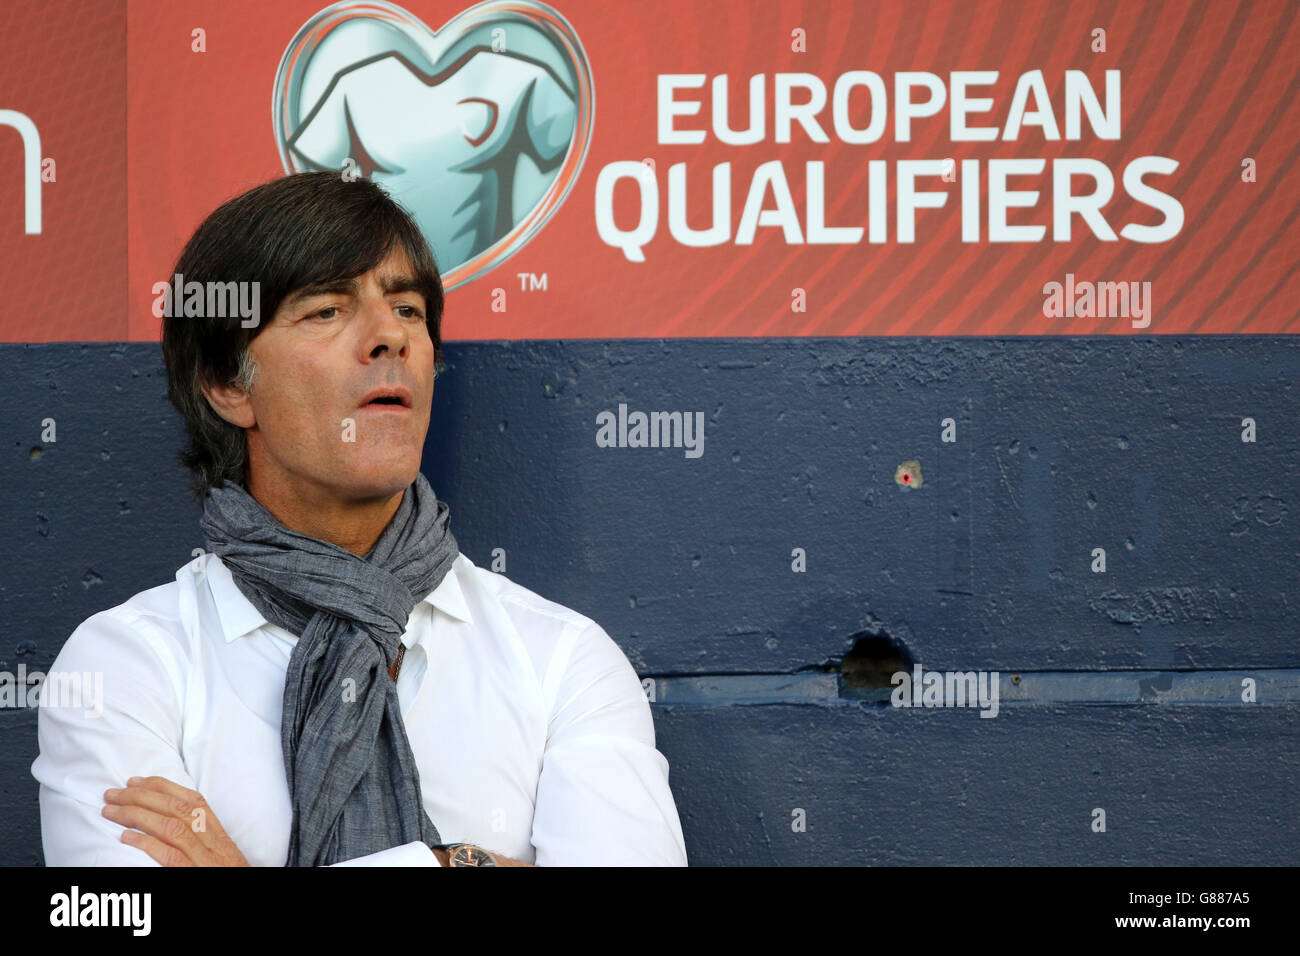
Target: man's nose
385, 329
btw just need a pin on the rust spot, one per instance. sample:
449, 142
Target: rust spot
908, 474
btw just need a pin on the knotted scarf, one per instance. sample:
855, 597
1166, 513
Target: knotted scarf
353, 782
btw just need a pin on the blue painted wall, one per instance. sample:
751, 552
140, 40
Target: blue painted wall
1120, 690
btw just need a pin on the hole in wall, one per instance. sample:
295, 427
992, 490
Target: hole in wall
870, 663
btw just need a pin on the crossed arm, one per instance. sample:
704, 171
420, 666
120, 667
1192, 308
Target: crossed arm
176, 827
602, 797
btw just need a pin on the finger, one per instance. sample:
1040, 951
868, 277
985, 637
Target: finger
207, 843
162, 827
158, 802
165, 786
164, 796
164, 854
141, 797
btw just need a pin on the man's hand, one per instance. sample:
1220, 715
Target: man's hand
179, 828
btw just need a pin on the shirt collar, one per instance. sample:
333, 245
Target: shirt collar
239, 616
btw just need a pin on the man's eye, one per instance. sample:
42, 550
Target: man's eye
414, 312
321, 314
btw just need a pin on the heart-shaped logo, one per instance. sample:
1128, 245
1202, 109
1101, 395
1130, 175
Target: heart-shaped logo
479, 129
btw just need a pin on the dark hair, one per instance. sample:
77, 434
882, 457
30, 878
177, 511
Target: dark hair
291, 232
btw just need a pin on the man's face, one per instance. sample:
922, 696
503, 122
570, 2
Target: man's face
324, 353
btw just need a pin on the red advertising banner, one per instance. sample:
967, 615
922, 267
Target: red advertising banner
585, 169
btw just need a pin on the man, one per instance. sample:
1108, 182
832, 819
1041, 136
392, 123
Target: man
332, 682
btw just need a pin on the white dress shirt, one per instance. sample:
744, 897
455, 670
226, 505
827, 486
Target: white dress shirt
530, 729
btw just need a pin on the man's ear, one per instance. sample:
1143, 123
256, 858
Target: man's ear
231, 403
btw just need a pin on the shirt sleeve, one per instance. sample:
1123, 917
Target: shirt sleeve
603, 797
110, 709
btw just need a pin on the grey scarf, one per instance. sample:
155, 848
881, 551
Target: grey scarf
353, 781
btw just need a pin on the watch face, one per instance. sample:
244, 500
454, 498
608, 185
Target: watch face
470, 855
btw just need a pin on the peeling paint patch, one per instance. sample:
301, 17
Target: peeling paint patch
553, 383
1267, 510
1172, 605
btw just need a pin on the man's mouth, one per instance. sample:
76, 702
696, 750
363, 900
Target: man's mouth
388, 399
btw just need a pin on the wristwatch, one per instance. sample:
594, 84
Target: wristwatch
466, 854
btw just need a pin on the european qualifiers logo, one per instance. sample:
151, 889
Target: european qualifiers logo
946, 689
479, 128
653, 430
807, 108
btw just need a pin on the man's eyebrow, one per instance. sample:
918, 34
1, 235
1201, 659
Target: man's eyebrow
391, 285
401, 283
333, 287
